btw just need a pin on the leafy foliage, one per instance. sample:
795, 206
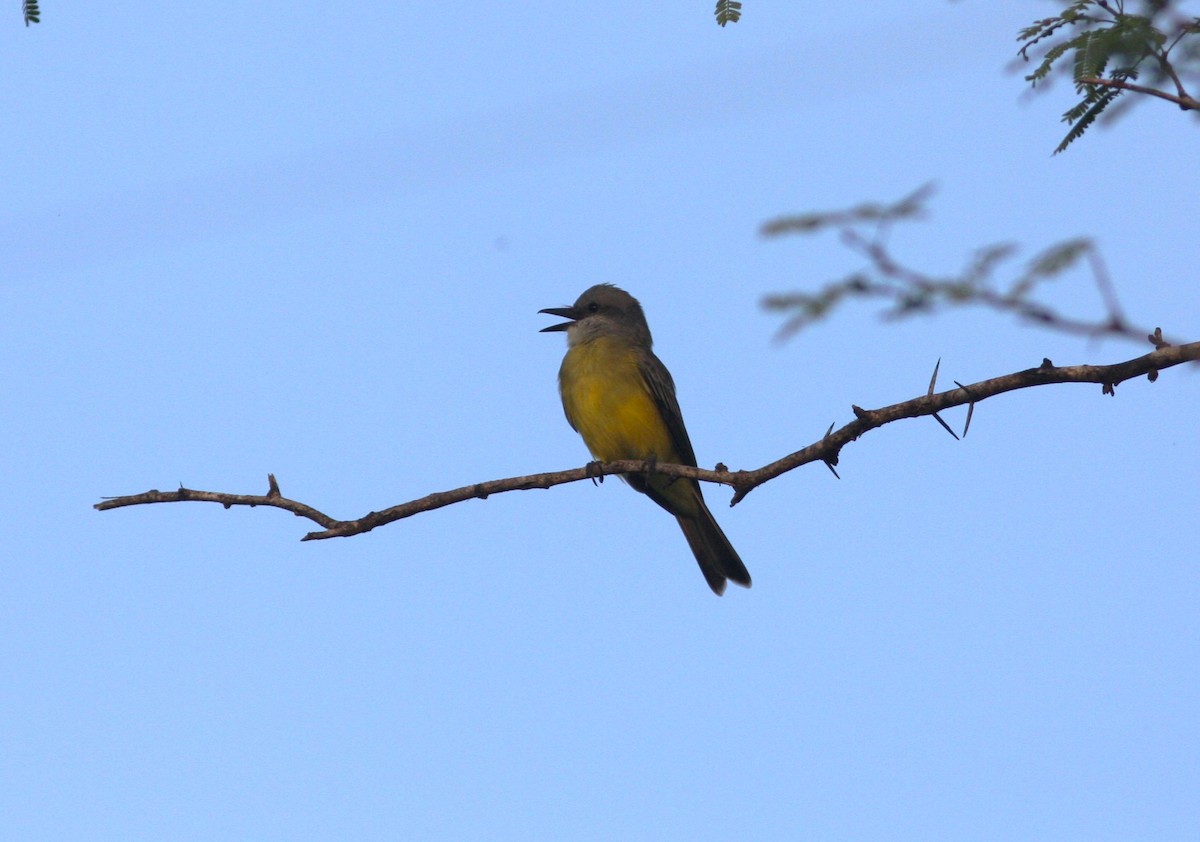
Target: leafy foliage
32, 13
911, 206
1104, 48
906, 291
728, 11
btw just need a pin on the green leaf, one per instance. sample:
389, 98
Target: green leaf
1091, 56
1055, 260
1102, 101
728, 11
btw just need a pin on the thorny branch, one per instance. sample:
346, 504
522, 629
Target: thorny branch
827, 449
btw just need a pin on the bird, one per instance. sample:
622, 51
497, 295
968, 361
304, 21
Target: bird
620, 398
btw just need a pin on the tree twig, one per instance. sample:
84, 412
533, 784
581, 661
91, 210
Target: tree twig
826, 449
1184, 101
912, 291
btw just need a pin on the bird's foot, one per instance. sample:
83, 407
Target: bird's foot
651, 466
593, 472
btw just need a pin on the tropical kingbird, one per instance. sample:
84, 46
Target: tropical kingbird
621, 399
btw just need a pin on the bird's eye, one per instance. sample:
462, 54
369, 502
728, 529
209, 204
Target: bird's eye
593, 307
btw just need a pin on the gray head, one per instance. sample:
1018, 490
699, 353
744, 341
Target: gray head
603, 310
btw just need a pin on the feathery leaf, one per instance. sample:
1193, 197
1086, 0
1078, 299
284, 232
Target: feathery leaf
728, 11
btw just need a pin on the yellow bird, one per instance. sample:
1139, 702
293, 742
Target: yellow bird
621, 399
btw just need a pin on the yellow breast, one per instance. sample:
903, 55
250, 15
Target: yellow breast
606, 400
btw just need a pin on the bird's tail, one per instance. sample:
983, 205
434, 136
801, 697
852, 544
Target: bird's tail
717, 558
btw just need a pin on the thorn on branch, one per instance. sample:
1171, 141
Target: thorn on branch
945, 426
272, 486
860, 413
831, 459
970, 407
933, 380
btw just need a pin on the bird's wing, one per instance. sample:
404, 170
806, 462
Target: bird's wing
662, 389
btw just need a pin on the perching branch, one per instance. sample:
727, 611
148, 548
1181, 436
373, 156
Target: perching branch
827, 449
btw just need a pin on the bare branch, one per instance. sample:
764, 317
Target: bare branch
826, 450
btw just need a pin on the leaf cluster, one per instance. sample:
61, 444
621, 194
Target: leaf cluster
32, 13
728, 11
1104, 47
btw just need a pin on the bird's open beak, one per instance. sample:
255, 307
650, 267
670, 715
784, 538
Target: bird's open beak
565, 312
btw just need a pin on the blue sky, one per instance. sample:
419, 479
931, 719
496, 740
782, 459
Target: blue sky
290, 238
